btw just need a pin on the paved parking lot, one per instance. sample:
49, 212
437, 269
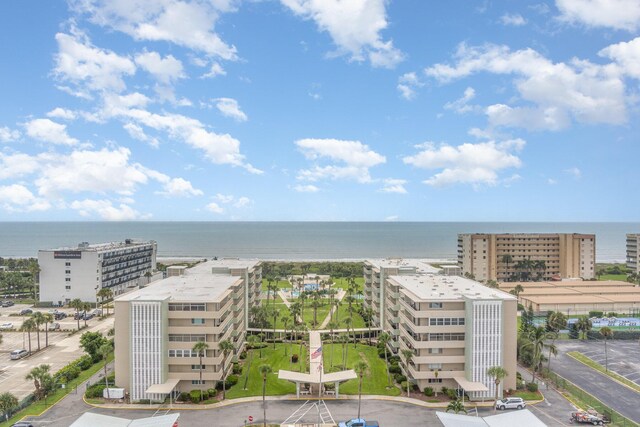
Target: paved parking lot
624, 357
62, 350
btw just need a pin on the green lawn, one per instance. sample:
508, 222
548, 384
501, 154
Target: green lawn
621, 277
375, 380
281, 284
343, 312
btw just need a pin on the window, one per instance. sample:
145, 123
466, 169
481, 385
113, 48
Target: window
434, 366
197, 321
187, 306
68, 279
67, 287
435, 305
446, 321
434, 380
197, 367
67, 272
198, 382
186, 338
67, 264
183, 353
435, 351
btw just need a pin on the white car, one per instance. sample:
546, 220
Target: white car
511, 403
6, 326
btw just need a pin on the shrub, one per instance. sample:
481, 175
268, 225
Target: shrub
518, 376
205, 394
532, 387
444, 390
595, 313
68, 373
212, 392
85, 362
573, 331
381, 353
237, 369
451, 394
612, 314
195, 396
394, 359
399, 378
395, 369
231, 381
94, 391
428, 391
243, 355
294, 358
184, 397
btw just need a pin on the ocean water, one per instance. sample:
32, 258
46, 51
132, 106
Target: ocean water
295, 240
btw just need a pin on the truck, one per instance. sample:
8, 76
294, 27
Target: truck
358, 422
588, 417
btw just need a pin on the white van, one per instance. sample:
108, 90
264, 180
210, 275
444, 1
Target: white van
18, 354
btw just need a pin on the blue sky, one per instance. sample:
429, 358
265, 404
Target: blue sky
326, 110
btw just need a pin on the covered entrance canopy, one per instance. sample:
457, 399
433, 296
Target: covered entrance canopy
470, 385
164, 388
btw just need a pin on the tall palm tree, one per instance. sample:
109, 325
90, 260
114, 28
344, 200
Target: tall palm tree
104, 351
39, 375
226, 347
408, 355
302, 298
77, 305
535, 341
200, 348
315, 304
606, 333
348, 322
507, 259
252, 340
344, 339
303, 329
274, 315
105, 294
367, 314
383, 339
28, 325
498, 373
46, 318
456, 406
264, 371
331, 325
584, 325
38, 319
286, 319
86, 307
8, 402
360, 368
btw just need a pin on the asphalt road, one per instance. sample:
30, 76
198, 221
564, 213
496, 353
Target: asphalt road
611, 393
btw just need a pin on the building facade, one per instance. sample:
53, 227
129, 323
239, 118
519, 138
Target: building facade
633, 255
80, 272
157, 327
506, 257
455, 327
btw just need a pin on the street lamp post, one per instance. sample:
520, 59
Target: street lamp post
97, 296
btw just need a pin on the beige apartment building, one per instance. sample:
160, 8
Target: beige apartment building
456, 328
157, 327
496, 256
633, 255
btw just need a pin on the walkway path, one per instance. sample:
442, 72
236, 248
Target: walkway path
327, 319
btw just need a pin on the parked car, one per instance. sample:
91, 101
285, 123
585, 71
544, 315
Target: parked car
358, 422
87, 316
59, 315
54, 326
22, 424
97, 312
7, 325
18, 354
7, 303
25, 311
79, 315
511, 403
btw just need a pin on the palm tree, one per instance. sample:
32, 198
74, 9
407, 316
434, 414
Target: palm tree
227, 347
302, 298
517, 290
104, 351
40, 376
408, 355
337, 303
360, 368
85, 307
8, 402
274, 315
584, 325
77, 304
535, 341
348, 322
264, 371
383, 339
497, 373
38, 319
606, 332
315, 304
105, 294
344, 339
200, 348
367, 313
456, 406
286, 319
302, 328
252, 340
46, 318
331, 325
507, 259
28, 325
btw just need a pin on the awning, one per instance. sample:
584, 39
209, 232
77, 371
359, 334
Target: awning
332, 377
470, 385
165, 388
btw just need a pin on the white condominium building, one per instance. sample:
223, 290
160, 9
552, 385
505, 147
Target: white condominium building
80, 272
506, 257
633, 255
456, 328
157, 327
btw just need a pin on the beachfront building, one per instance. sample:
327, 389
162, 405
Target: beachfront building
549, 256
81, 271
157, 326
455, 327
633, 255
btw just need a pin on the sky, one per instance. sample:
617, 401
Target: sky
319, 110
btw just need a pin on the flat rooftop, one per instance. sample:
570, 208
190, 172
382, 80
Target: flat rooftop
421, 266
232, 263
196, 284
439, 287
99, 247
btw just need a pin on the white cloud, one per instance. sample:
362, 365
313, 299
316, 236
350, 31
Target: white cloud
8, 135
356, 157
62, 113
515, 19
408, 83
18, 198
49, 131
392, 218
136, 132
616, 14
215, 208
173, 187
239, 202
215, 70
229, 107
242, 202
626, 55
223, 198
306, 188
551, 181
17, 165
354, 26
89, 68
474, 164
184, 23
557, 93
106, 210
166, 70
574, 172
461, 105
393, 185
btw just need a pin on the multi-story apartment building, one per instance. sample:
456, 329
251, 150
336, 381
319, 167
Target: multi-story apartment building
157, 326
633, 255
497, 256
80, 272
456, 328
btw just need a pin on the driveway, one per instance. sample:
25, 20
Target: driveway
611, 393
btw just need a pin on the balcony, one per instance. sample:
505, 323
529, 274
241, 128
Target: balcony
426, 374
